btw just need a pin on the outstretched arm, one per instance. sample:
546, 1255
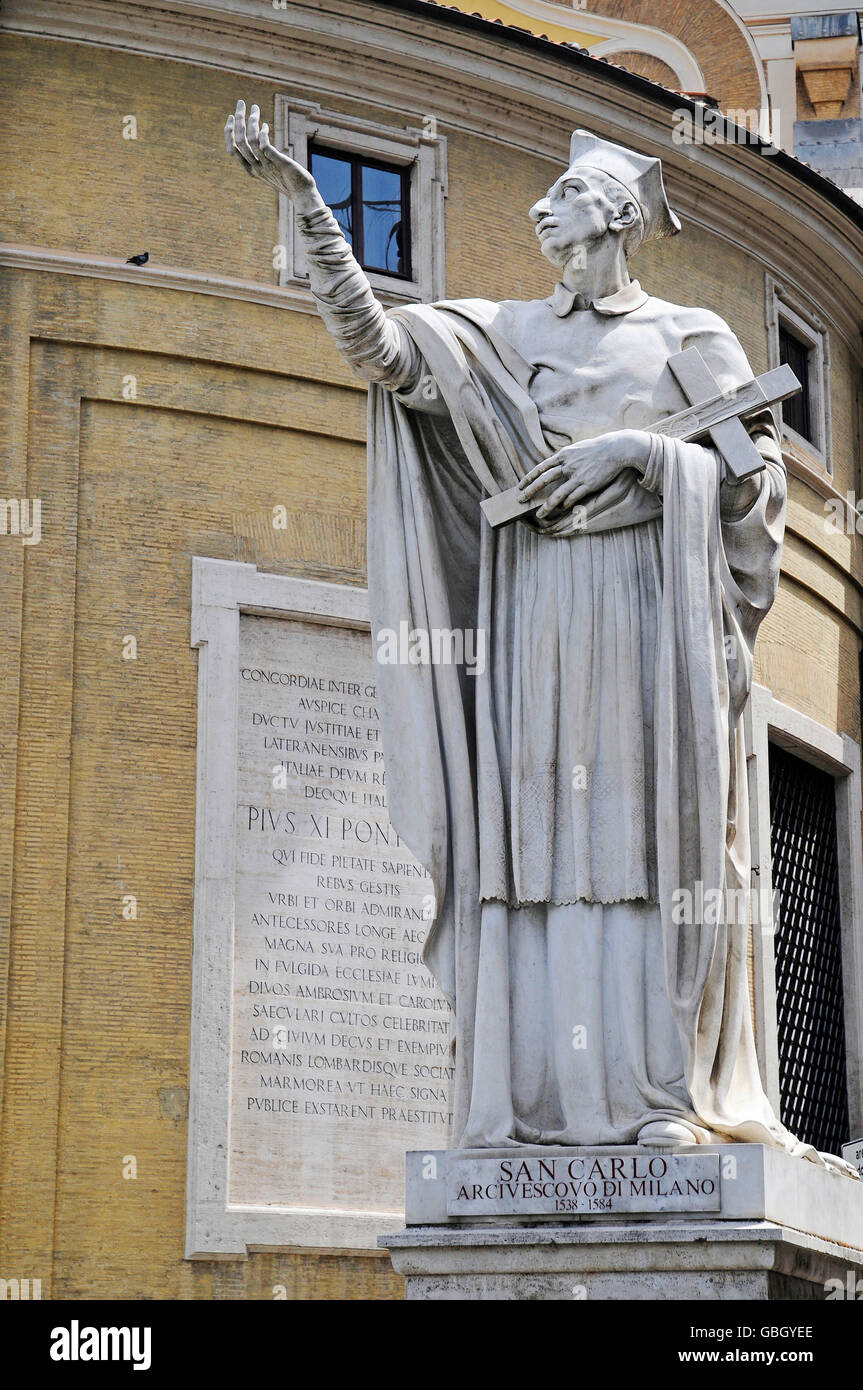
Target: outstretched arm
373, 344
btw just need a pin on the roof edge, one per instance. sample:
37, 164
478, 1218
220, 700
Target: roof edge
579, 58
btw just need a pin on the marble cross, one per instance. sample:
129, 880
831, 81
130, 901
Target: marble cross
712, 412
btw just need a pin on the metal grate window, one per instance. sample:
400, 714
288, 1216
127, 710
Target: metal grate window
812, 1076
797, 410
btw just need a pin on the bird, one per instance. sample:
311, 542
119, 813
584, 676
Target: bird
141, 259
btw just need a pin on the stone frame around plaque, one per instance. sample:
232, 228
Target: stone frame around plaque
221, 591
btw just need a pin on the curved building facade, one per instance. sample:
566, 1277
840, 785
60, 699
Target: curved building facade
162, 411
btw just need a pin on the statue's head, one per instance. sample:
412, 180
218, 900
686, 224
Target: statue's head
607, 190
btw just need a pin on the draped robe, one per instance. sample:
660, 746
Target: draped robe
560, 797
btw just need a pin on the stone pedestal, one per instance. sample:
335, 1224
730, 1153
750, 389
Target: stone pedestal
776, 1228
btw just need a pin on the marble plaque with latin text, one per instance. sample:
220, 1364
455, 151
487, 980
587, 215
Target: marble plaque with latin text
320, 1045
340, 1054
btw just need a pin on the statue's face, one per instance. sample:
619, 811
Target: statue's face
578, 209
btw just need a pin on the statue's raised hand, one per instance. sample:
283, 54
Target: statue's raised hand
248, 141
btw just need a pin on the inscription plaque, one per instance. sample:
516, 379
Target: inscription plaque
582, 1184
340, 1041
320, 1046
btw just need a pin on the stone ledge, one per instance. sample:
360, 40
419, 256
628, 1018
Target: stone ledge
674, 1261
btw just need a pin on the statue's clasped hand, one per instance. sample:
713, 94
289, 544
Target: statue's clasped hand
576, 472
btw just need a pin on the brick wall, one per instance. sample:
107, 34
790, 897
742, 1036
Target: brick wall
711, 35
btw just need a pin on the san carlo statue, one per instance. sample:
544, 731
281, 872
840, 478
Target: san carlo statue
562, 797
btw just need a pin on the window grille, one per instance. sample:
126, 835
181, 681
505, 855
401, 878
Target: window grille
808, 950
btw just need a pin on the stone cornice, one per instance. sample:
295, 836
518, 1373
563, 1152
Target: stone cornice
154, 276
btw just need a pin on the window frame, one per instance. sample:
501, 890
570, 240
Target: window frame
788, 310
358, 162
422, 152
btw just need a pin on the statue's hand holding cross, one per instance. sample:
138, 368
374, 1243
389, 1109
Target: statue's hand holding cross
577, 471
558, 486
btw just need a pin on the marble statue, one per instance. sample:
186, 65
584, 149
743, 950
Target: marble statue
562, 797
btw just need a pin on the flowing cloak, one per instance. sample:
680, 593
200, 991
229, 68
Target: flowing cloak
432, 557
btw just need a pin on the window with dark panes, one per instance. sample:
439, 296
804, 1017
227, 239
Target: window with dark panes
370, 201
797, 410
810, 1004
